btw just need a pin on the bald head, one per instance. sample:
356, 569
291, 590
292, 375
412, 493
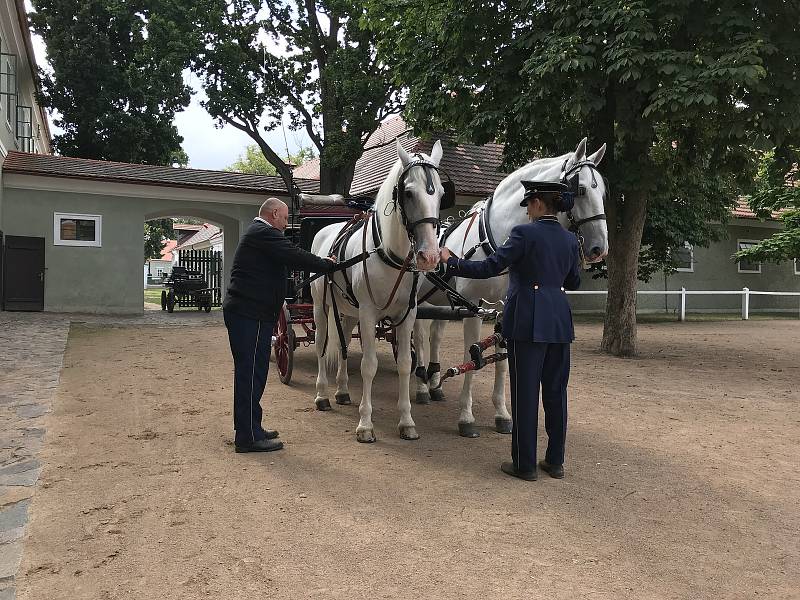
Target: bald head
275, 212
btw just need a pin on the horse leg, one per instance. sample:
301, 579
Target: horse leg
502, 418
342, 392
321, 322
365, 432
408, 430
466, 421
434, 367
421, 335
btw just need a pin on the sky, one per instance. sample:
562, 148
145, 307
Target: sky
207, 146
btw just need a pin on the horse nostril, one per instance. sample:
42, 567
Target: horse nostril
596, 251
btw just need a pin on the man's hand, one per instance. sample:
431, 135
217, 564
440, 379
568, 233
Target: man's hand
331, 258
444, 254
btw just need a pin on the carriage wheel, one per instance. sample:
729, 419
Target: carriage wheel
284, 345
163, 299
170, 301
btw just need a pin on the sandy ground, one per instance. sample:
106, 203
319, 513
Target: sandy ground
682, 480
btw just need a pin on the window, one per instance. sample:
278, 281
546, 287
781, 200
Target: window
8, 84
748, 266
77, 230
684, 258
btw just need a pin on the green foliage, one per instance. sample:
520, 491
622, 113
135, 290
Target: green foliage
312, 58
116, 79
156, 232
777, 191
254, 161
681, 90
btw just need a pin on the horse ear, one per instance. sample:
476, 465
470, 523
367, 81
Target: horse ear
598, 156
580, 151
436, 153
404, 157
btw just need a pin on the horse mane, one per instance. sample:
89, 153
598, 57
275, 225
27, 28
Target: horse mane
531, 171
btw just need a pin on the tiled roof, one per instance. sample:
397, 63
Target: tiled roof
308, 170
166, 251
742, 210
474, 169
204, 234
99, 170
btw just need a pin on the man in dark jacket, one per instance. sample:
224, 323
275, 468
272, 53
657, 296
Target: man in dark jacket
255, 297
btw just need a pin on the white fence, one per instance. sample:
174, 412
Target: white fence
745, 293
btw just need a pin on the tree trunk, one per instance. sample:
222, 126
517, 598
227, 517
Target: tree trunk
336, 180
619, 330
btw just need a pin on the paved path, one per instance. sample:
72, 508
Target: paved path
31, 355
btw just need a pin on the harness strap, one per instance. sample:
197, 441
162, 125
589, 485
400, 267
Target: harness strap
403, 268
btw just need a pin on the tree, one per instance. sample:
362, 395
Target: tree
253, 161
312, 57
156, 232
777, 191
680, 90
116, 80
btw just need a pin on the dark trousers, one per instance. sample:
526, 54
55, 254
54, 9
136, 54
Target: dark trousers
251, 342
534, 365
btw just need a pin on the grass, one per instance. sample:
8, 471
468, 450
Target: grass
153, 296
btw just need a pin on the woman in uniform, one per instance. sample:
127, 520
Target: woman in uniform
543, 260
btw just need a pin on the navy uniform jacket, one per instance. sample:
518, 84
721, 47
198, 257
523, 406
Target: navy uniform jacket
542, 258
260, 271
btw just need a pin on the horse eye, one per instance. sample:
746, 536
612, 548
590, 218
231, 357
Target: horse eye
408, 194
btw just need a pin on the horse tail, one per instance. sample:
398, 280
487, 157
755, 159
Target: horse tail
332, 343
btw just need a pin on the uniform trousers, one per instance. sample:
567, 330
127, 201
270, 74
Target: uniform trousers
251, 342
534, 365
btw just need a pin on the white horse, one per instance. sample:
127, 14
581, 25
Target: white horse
400, 231
490, 223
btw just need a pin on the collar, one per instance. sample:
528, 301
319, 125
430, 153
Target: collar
546, 218
263, 221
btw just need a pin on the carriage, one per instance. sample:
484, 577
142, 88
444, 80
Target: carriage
186, 287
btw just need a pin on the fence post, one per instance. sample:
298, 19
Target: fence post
745, 304
683, 304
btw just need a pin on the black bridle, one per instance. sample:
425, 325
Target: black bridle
578, 191
398, 196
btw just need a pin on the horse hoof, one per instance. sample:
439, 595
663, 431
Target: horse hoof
423, 398
468, 430
437, 395
343, 399
365, 436
409, 433
322, 404
503, 425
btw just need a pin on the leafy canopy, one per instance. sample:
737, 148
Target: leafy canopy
116, 80
310, 58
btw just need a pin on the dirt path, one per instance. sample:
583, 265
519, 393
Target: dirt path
682, 480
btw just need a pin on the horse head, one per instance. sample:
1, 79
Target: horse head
418, 198
587, 217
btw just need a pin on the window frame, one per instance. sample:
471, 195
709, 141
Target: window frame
98, 230
797, 266
739, 264
690, 248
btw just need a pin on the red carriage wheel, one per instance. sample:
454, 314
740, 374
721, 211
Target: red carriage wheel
284, 345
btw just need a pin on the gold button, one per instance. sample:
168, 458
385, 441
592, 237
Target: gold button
562, 289
536, 287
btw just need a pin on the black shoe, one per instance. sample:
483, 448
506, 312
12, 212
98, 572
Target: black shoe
555, 471
271, 434
259, 446
509, 469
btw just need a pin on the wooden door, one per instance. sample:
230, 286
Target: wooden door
23, 273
